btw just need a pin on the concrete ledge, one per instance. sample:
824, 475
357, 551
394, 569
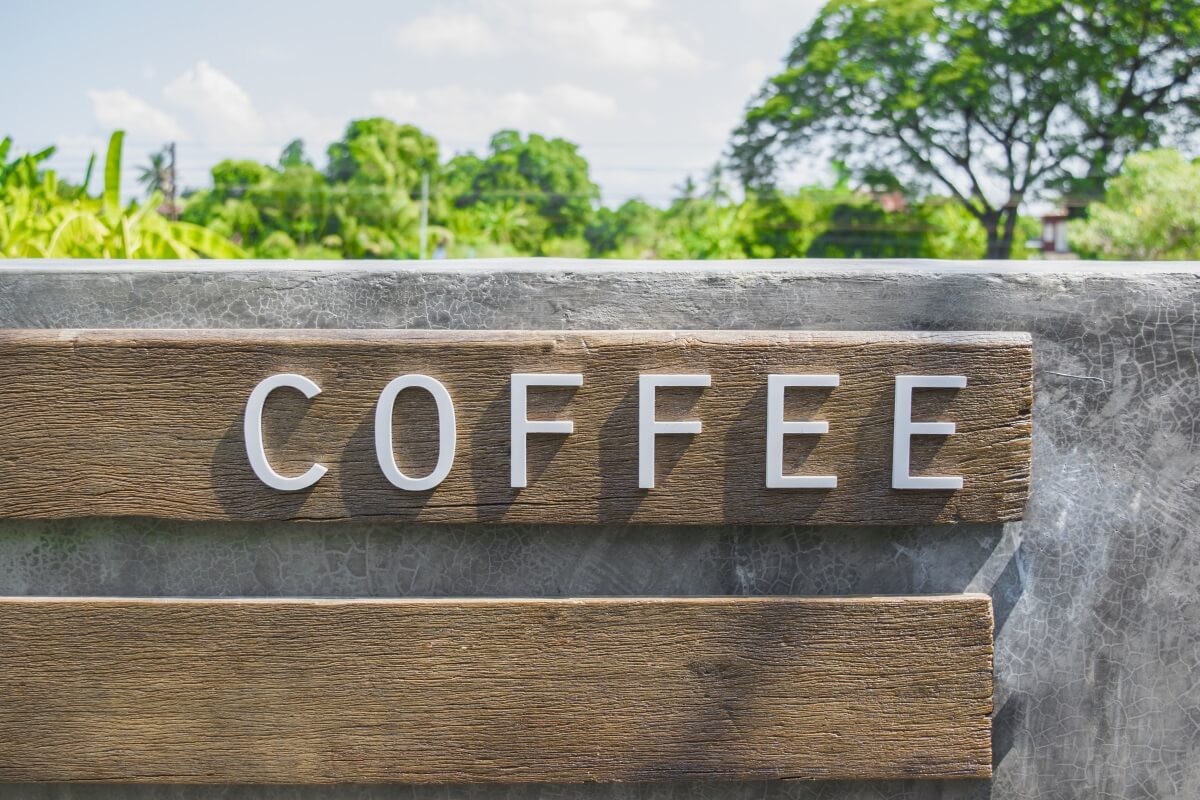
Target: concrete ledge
819, 266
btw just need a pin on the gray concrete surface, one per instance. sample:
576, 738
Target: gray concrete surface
1097, 592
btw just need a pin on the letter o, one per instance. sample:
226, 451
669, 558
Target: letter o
385, 454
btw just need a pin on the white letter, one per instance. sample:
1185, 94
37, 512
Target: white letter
905, 428
649, 426
383, 432
520, 425
252, 433
777, 428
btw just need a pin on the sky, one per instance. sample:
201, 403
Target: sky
649, 89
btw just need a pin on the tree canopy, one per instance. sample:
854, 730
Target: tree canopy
989, 100
548, 176
379, 152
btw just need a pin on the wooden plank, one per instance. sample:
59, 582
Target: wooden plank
115, 423
327, 691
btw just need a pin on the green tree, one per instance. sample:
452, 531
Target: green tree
231, 207
1150, 211
548, 175
991, 99
234, 178
628, 231
315, 216
512, 223
379, 152
706, 230
236, 218
785, 225
292, 155
297, 200
862, 229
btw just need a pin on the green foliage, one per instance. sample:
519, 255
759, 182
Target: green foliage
293, 155
1150, 211
864, 230
541, 185
507, 222
534, 196
525, 196
952, 232
37, 220
251, 202
277, 245
566, 248
381, 153
234, 178
628, 231
788, 225
112, 176
990, 99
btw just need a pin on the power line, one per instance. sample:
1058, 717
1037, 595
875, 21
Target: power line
79, 160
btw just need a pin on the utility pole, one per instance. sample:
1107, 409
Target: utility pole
424, 233
171, 182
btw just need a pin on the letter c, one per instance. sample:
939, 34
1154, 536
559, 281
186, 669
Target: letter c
252, 430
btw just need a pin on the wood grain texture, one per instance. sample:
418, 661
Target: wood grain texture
114, 423
325, 691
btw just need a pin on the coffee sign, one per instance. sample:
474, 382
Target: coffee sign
571, 427
541, 427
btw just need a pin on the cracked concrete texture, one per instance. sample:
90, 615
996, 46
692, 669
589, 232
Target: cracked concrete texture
1097, 605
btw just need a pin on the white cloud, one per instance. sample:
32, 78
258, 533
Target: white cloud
117, 108
232, 124
220, 104
440, 32
402, 104
292, 122
463, 116
619, 34
755, 73
580, 100
78, 147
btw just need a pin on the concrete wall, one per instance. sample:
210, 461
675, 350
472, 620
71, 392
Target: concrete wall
1097, 592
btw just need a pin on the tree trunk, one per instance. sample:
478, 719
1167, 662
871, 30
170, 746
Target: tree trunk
1001, 226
